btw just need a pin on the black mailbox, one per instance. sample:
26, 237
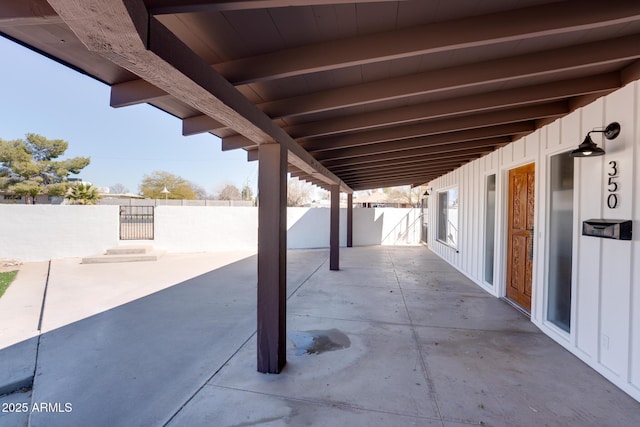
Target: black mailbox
607, 228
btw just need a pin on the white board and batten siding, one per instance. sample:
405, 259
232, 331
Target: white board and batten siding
605, 310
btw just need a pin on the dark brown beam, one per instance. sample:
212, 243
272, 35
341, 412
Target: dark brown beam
497, 100
413, 160
134, 92
161, 7
407, 171
302, 175
252, 154
513, 68
365, 185
334, 237
495, 118
630, 73
394, 170
426, 141
479, 144
295, 169
350, 220
124, 33
272, 259
405, 178
24, 13
476, 31
200, 124
234, 142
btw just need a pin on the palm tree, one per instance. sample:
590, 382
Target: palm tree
82, 194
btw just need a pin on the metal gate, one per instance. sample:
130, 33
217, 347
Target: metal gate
136, 222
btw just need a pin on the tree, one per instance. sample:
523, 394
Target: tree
178, 187
298, 192
82, 194
247, 193
229, 192
201, 193
28, 168
405, 194
118, 189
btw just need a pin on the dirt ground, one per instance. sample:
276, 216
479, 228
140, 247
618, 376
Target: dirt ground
9, 265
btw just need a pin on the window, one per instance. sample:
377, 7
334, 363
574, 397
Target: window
489, 227
560, 241
448, 217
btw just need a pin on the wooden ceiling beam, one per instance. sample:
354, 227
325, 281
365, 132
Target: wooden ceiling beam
234, 142
124, 33
630, 73
24, 13
547, 92
408, 163
134, 92
252, 154
512, 68
163, 7
412, 161
408, 174
450, 138
489, 143
519, 24
434, 168
201, 124
556, 109
402, 163
394, 182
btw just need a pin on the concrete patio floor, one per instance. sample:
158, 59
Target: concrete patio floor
425, 347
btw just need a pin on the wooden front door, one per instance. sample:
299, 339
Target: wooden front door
520, 235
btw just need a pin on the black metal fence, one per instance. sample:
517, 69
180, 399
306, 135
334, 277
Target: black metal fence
136, 222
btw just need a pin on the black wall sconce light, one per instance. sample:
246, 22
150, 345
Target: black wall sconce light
588, 148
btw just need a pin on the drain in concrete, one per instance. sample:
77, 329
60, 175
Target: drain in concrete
316, 342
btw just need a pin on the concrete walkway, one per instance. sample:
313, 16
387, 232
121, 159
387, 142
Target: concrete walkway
406, 340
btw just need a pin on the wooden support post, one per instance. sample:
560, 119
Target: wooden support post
350, 220
334, 236
272, 258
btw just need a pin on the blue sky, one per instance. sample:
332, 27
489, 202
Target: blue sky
41, 96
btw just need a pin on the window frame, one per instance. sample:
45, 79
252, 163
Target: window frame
444, 217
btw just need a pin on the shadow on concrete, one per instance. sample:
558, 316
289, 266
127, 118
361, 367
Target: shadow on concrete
417, 344
138, 363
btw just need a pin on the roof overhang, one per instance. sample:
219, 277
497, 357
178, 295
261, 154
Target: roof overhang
363, 94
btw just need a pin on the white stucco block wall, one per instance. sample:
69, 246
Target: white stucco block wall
206, 229
43, 232
605, 294
386, 226
309, 227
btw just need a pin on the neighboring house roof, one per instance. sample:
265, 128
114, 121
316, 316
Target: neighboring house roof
380, 198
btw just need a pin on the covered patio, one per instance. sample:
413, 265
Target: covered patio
362, 94
402, 339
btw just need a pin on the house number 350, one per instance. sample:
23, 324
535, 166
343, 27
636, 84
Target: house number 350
612, 185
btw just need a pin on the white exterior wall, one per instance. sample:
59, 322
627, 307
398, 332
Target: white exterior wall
43, 232
309, 227
605, 316
205, 229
